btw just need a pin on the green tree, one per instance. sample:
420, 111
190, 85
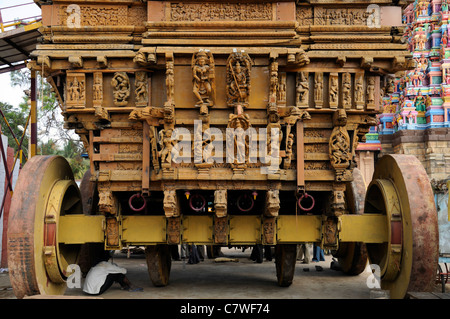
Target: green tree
17, 118
53, 139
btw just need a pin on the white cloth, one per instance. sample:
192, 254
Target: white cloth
97, 275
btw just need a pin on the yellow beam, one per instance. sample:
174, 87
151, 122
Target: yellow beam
80, 229
300, 228
198, 229
144, 230
368, 228
245, 230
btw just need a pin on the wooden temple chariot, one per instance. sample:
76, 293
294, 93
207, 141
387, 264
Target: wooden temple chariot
162, 92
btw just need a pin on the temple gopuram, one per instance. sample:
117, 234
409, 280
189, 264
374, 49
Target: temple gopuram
416, 105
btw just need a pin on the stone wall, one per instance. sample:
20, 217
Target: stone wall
430, 146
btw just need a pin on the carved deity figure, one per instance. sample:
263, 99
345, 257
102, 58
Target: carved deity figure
419, 102
282, 89
318, 88
203, 79
340, 148
76, 90
302, 89
238, 79
170, 82
359, 89
417, 78
166, 142
121, 88
141, 88
289, 150
334, 90
238, 138
98, 87
371, 91
346, 90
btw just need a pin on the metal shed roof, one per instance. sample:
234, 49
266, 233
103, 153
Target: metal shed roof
16, 46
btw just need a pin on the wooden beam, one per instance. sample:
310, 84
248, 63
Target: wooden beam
300, 156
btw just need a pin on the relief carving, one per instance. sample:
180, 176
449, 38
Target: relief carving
340, 146
359, 90
76, 88
121, 88
141, 91
318, 90
220, 202
239, 67
203, 72
282, 90
238, 139
341, 16
272, 202
98, 89
302, 97
221, 11
371, 92
346, 90
173, 230
334, 90
97, 15
170, 203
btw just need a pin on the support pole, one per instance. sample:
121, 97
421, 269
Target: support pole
33, 135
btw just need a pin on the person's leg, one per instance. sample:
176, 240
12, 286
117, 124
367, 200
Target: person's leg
108, 283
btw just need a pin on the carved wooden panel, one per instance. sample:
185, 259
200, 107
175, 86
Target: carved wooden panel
221, 11
76, 90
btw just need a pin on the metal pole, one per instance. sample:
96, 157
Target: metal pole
33, 137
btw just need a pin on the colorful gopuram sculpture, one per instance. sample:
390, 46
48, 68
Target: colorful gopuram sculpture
420, 98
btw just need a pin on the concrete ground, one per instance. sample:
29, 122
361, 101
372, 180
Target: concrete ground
241, 279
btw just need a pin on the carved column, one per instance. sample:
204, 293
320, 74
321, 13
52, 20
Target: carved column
172, 212
270, 214
220, 218
340, 147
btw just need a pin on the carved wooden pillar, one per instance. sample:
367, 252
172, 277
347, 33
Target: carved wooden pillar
270, 214
172, 213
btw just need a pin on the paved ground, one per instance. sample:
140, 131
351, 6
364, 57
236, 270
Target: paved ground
243, 279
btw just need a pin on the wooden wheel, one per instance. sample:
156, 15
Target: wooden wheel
159, 262
44, 191
352, 256
285, 259
401, 190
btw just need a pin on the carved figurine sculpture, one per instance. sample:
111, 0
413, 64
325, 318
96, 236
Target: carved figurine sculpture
121, 88
204, 80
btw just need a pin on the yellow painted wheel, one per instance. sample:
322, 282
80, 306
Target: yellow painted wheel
352, 256
37, 262
401, 190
